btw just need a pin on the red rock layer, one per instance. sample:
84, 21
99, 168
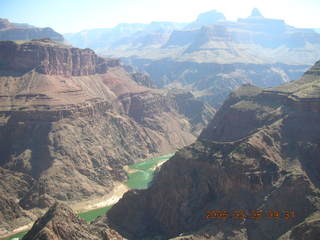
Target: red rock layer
48, 57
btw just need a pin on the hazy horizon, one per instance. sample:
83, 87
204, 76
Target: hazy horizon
75, 16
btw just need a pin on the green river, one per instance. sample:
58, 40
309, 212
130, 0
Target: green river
139, 179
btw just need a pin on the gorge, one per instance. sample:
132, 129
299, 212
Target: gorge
139, 177
207, 129
253, 156
70, 122
237, 181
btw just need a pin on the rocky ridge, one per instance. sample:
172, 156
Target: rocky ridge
214, 82
60, 222
13, 31
212, 39
212, 56
259, 153
49, 57
69, 122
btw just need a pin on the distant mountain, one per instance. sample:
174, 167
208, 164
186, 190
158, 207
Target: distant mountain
211, 56
23, 31
206, 18
125, 34
255, 13
255, 39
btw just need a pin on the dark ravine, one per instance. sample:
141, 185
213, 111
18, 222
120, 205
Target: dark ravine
260, 152
69, 123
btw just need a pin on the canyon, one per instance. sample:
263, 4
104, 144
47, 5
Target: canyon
256, 155
253, 173
76, 127
71, 120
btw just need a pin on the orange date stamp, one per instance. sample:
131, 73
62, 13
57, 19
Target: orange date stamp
254, 214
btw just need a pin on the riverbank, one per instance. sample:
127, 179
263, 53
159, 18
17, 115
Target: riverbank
106, 200
80, 207
139, 176
17, 232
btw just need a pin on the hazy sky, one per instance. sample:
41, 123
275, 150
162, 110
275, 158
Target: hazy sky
76, 15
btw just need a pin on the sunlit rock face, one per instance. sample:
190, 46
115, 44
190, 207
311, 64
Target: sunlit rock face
48, 57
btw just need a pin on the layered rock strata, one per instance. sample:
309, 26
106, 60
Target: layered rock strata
52, 58
70, 124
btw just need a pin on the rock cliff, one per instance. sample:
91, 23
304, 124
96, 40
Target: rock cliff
252, 174
49, 57
70, 124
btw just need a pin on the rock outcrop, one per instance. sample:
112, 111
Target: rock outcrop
252, 174
308, 229
206, 18
142, 79
70, 124
49, 57
256, 13
13, 186
60, 222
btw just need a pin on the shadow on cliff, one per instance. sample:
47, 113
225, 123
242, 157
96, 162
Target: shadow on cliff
23, 153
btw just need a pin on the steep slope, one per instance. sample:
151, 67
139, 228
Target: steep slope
61, 223
13, 185
14, 31
70, 121
252, 174
308, 229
